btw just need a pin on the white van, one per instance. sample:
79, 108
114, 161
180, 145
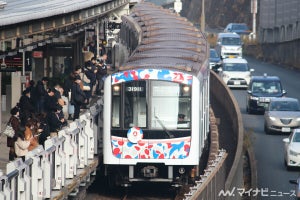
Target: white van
235, 72
229, 45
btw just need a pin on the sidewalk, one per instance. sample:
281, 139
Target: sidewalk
4, 150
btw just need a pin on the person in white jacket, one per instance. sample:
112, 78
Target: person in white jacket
21, 145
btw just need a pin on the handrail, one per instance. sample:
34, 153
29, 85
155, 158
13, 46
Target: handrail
55, 168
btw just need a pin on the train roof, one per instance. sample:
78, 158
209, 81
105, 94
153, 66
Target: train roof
167, 41
184, 54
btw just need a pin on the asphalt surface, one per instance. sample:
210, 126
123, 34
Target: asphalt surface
273, 177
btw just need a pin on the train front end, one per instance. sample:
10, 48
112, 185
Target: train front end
151, 126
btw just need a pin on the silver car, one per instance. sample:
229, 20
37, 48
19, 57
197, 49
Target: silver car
292, 149
282, 115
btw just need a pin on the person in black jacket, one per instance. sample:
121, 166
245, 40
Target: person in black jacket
69, 80
55, 122
41, 93
78, 97
90, 71
101, 73
14, 120
33, 93
26, 107
43, 128
51, 101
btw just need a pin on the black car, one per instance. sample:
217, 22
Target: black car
260, 91
214, 60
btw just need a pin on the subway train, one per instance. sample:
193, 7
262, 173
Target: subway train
156, 104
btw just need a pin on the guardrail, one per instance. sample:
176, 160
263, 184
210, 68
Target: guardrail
57, 170
232, 138
211, 182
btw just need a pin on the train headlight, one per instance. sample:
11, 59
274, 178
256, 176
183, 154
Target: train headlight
186, 89
116, 89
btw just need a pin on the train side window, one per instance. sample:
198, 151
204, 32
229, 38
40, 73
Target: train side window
184, 107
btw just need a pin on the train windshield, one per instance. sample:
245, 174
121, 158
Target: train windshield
152, 105
170, 105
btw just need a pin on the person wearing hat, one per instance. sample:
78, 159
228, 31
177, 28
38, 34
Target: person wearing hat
26, 106
15, 123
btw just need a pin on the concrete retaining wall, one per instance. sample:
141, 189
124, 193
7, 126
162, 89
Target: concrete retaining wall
286, 53
230, 132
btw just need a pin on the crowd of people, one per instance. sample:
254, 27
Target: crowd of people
39, 114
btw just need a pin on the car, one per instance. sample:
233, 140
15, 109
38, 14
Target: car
282, 115
292, 149
229, 45
260, 91
297, 189
235, 72
214, 60
239, 28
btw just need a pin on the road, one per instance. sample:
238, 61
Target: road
273, 178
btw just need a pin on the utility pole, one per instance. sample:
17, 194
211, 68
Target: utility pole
254, 11
203, 17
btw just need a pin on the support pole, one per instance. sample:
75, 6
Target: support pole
203, 17
254, 11
23, 60
97, 36
1, 100
3, 61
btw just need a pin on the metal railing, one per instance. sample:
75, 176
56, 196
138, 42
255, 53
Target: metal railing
211, 182
58, 169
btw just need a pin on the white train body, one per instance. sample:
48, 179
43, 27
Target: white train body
155, 116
